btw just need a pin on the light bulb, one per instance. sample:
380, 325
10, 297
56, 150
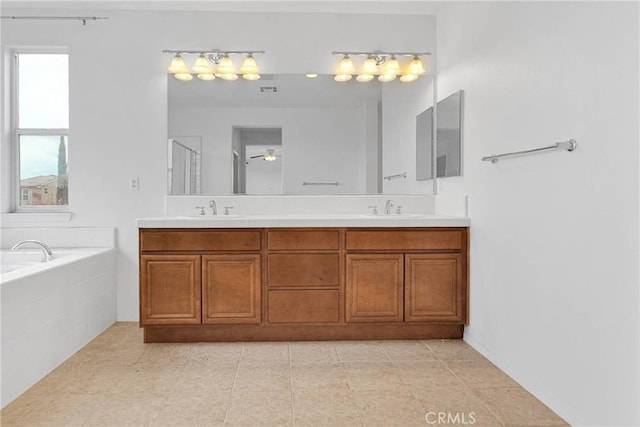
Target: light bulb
370, 65
392, 66
251, 76
185, 77
177, 65
346, 66
202, 65
408, 78
225, 66
249, 65
311, 75
386, 77
416, 67
342, 77
363, 78
228, 76
206, 76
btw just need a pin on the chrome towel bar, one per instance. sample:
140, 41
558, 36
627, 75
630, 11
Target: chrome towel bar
569, 145
320, 183
398, 175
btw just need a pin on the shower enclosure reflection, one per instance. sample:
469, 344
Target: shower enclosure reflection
184, 162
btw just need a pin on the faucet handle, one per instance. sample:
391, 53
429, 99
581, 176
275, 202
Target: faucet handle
201, 209
226, 209
399, 210
375, 209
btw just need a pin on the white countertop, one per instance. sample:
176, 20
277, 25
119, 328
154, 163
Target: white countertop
287, 220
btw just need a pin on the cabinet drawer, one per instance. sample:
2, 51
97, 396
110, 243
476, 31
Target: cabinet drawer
304, 270
303, 240
309, 306
199, 240
405, 240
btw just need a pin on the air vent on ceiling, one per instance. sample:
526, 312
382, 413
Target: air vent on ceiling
268, 89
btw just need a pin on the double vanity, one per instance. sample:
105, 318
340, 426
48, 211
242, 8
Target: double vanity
303, 277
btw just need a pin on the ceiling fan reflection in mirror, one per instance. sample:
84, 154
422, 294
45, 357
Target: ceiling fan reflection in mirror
269, 156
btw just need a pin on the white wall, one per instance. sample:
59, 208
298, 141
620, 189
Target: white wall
118, 110
554, 237
399, 111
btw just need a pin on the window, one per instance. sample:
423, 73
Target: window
41, 128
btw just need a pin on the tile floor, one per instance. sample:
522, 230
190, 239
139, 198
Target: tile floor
117, 380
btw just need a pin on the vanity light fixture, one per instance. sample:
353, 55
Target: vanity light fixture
214, 63
383, 64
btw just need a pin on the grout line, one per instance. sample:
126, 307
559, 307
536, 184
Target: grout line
233, 385
293, 418
466, 386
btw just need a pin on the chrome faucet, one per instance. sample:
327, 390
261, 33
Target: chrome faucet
214, 208
47, 255
387, 207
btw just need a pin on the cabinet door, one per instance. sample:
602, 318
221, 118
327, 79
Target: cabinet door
231, 289
374, 291
433, 287
170, 290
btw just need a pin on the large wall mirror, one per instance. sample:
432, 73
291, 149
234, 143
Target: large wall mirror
289, 134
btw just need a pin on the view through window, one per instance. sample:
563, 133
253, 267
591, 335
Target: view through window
42, 129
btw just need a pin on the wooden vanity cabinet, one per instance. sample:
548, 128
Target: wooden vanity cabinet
170, 290
231, 289
287, 284
374, 288
193, 277
407, 275
303, 276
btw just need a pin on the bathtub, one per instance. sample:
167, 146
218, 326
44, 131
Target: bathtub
51, 309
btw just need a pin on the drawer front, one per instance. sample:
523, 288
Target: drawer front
199, 240
405, 240
304, 270
280, 240
309, 306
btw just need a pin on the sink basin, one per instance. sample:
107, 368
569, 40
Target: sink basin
391, 216
209, 217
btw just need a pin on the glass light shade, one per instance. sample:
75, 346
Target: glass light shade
370, 66
185, 77
386, 77
249, 65
416, 67
342, 77
392, 66
346, 66
177, 65
251, 76
206, 76
363, 78
228, 76
225, 66
202, 65
311, 75
408, 78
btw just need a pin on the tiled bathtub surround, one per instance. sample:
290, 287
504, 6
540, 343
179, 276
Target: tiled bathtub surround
49, 314
61, 237
317, 205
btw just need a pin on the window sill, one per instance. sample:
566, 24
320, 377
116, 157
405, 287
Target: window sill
18, 219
